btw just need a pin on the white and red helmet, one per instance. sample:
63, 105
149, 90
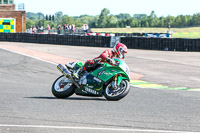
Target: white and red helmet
121, 50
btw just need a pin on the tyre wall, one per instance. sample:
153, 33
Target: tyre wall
168, 44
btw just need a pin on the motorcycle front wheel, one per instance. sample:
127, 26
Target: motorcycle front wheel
62, 87
117, 94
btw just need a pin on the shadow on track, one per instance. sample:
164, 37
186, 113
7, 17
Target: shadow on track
70, 98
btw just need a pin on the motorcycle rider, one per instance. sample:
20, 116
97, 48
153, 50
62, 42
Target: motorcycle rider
118, 51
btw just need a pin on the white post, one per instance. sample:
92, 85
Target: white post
22, 21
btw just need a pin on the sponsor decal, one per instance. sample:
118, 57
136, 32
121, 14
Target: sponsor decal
127, 70
91, 86
99, 89
98, 80
100, 73
108, 74
156, 35
84, 91
91, 91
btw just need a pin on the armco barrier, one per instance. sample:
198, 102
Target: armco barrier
168, 44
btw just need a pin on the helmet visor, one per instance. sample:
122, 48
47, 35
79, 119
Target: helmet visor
122, 52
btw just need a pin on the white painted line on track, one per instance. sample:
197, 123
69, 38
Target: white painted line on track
94, 128
28, 56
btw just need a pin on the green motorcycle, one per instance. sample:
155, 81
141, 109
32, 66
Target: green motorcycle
109, 81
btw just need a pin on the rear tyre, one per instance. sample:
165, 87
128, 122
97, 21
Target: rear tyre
116, 94
61, 90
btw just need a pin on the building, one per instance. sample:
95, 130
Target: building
11, 20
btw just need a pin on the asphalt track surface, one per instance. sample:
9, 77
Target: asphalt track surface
27, 105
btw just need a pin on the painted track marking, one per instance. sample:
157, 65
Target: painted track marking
94, 128
144, 84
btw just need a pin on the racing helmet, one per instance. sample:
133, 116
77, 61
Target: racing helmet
121, 50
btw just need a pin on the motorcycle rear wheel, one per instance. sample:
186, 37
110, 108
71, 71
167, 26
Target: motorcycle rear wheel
62, 91
116, 94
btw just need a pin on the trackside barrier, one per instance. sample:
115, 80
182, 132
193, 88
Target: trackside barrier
77, 40
168, 44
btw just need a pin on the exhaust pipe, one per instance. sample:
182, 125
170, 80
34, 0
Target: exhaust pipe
67, 73
63, 70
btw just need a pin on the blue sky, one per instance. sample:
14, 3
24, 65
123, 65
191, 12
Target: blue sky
94, 7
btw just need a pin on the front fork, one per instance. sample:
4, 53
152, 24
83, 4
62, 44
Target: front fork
114, 82
117, 80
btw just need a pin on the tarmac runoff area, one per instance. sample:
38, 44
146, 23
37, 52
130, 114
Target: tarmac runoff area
57, 59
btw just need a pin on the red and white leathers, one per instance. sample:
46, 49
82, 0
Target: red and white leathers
100, 59
103, 56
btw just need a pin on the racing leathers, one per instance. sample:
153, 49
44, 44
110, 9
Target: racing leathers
106, 56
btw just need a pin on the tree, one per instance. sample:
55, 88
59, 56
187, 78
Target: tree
184, 20
102, 22
161, 22
29, 23
139, 16
112, 21
134, 22
40, 15
153, 19
196, 19
58, 17
171, 20
153, 15
189, 18
67, 20
122, 23
105, 20
94, 22
86, 19
178, 21
123, 16
31, 15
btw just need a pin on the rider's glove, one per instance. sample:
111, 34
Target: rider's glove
111, 61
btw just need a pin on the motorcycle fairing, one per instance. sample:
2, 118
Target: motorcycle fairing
108, 72
93, 87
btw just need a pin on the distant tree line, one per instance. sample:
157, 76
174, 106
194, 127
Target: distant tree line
107, 20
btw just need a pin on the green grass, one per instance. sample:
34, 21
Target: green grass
186, 35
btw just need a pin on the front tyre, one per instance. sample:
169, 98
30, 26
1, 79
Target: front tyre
117, 94
62, 87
